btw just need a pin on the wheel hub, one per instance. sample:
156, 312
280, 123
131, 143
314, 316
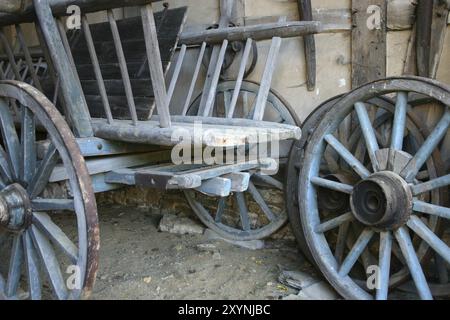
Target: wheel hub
383, 201
15, 208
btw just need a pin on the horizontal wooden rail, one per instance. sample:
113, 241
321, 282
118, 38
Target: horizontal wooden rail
258, 32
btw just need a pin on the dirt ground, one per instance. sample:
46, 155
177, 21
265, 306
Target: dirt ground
139, 262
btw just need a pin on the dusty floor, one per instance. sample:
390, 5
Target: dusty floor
138, 262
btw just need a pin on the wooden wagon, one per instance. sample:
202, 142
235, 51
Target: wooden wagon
88, 111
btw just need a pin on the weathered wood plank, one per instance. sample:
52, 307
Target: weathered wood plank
95, 147
256, 32
423, 36
368, 44
213, 135
239, 181
438, 30
216, 187
305, 12
154, 63
96, 166
215, 61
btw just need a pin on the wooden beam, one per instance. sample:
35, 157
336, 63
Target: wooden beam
368, 41
216, 61
438, 31
216, 187
95, 147
154, 63
224, 134
309, 43
256, 32
101, 165
423, 36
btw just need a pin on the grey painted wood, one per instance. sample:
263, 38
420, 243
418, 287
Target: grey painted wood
216, 187
266, 80
123, 67
194, 79
239, 181
227, 134
305, 12
176, 73
212, 81
216, 61
154, 62
50, 263
240, 77
96, 67
217, 180
369, 47
94, 147
70, 86
256, 32
101, 165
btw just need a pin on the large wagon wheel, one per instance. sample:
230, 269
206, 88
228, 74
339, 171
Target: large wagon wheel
296, 157
396, 199
253, 214
43, 255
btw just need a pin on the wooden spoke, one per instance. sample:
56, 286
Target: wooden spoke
269, 180
427, 148
15, 267
50, 263
368, 133
32, 267
341, 242
385, 265
347, 156
332, 185
56, 235
43, 172
424, 207
426, 234
10, 138
407, 248
245, 219
356, 252
261, 202
399, 125
52, 205
334, 223
28, 138
5, 168
220, 210
431, 185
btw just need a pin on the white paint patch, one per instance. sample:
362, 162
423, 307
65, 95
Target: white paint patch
342, 83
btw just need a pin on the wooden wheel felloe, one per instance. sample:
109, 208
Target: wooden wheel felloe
395, 187
43, 255
258, 212
293, 168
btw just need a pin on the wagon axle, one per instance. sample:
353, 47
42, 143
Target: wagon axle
15, 208
383, 201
